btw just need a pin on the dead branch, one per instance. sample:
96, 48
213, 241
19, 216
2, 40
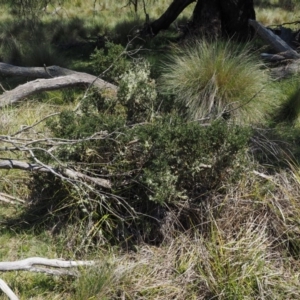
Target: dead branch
42, 85
7, 291
33, 264
274, 41
64, 172
10, 199
34, 72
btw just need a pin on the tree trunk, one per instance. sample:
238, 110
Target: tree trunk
212, 18
207, 19
235, 15
169, 16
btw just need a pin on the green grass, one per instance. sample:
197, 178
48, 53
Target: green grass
289, 109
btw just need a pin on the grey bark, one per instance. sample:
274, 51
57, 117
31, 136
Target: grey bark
7, 291
72, 174
53, 78
274, 41
28, 263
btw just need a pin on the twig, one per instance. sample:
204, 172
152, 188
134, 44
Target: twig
10, 199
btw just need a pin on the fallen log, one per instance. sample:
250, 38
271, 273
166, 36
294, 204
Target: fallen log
274, 41
42, 85
10, 199
34, 72
33, 264
51, 78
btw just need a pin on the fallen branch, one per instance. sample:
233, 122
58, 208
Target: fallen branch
42, 85
71, 174
33, 264
34, 72
7, 291
275, 41
10, 199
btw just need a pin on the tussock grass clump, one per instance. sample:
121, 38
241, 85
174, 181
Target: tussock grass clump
208, 79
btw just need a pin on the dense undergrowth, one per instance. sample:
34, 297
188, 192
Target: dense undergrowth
200, 145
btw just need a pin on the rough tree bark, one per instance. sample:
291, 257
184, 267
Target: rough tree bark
212, 18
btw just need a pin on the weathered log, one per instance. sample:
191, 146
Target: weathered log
272, 57
42, 85
274, 41
33, 264
54, 78
68, 173
34, 72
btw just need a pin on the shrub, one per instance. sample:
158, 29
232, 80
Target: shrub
110, 62
137, 92
153, 167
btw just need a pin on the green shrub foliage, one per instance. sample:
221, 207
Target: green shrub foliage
110, 62
137, 92
154, 166
157, 163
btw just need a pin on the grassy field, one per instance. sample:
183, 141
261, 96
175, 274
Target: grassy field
196, 211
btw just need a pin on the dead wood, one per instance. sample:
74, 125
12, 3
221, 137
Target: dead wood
285, 52
7, 291
34, 264
274, 41
53, 78
10, 199
64, 172
34, 72
41, 265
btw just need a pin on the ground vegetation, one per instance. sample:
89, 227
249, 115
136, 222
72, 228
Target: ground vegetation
174, 169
